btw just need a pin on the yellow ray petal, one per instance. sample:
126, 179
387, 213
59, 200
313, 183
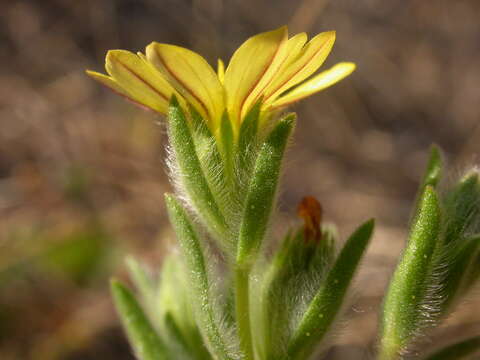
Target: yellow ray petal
221, 70
310, 59
294, 48
192, 76
251, 69
317, 83
137, 80
110, 83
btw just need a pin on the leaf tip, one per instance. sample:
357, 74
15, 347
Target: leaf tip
116, 286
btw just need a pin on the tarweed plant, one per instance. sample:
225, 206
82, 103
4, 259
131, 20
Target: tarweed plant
223, 294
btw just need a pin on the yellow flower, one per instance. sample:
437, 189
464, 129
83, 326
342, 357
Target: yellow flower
268, 67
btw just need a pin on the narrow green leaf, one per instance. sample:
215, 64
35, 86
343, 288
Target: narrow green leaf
433, 171
431, 175
458, 270
462, 207
176, 337
248, 132
194, 259
401, 317
175, 309
142, 280
191, 172
327, 302
227, 141
143, 338
199, 125
246, 151
215, 153
262, 191
207, 150
191, 347
458, 350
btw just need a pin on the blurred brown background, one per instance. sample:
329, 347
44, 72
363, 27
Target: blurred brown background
82, 173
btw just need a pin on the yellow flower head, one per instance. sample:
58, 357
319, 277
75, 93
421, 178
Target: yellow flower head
269, 67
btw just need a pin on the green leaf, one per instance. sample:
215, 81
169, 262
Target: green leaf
191, 173
141, 334
327, 302
215, 153
227, 141
402, 309
247, 139
195, 262
458, 271
431, 175
433, 171
142, 280
458, 350
462, 208
189, 347
175, 331
199, 125
262, 191
207, 151
175, 309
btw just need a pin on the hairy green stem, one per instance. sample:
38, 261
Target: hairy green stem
242, 311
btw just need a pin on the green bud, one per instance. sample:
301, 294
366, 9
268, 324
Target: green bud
296, 271
328, 300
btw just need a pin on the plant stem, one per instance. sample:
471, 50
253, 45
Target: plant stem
390, 350
242, 309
